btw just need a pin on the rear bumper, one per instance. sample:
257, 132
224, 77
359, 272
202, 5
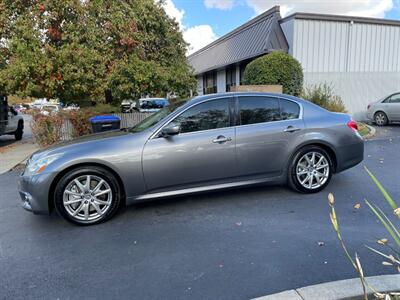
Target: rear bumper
34, 192
350, 155
370, 115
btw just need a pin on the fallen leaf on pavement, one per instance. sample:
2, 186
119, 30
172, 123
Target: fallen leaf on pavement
357, 206
331, 199
397, 211
382, 241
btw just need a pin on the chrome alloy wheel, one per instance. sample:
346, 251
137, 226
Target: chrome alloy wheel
87, 197
380, 119
312, 170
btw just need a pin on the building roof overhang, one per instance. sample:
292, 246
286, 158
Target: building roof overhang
258, 36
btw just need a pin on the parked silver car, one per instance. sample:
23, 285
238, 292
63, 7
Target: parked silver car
385, 110
207, 143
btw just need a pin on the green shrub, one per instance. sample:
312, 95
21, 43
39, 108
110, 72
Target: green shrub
276, 68
323, 95
46, 130
80, 122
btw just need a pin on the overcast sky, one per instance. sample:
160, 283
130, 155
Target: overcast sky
203, 21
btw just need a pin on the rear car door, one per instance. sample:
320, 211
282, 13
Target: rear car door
263, 137
12, 120
202, 153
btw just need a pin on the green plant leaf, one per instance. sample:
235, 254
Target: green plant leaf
389, 222
383, 191
387, 226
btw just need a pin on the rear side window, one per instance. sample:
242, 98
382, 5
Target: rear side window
395, 98
289, 110
205, 116
258, 110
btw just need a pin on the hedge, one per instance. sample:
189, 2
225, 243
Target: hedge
276, 68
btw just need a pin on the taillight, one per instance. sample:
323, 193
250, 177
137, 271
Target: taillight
353, 125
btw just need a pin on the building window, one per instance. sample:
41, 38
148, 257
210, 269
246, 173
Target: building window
210, 83
230, 78
242, 68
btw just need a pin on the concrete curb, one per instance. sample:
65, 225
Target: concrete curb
350, 289
371, 133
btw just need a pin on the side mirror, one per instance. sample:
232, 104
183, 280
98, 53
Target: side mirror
170, 129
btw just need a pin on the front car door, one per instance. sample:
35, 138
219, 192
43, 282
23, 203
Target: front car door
203, 153
393, 107
267, 127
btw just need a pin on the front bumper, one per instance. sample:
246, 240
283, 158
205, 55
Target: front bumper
34, 192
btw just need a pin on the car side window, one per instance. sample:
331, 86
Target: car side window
208, 115
258, 109
289, 109
395, 98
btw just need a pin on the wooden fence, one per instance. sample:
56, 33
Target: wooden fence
127, 121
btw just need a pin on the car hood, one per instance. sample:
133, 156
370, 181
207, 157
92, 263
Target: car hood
90, 138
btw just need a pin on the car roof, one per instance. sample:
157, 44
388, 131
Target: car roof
232, 94
152, 99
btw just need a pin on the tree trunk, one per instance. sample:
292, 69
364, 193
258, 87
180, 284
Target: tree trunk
109, 97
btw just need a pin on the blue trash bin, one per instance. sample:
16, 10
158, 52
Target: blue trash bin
105, 123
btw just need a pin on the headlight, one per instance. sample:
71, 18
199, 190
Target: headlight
37, 166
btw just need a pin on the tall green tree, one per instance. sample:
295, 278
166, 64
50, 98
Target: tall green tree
91, 50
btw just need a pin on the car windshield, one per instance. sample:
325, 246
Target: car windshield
156, 117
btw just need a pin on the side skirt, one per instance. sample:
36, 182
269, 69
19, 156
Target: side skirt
200, 189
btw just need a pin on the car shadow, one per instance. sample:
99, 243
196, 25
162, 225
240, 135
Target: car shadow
7, 140
213, 198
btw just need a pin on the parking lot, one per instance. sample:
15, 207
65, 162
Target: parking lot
235, 244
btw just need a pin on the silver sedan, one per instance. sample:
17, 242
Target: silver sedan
385, 110
207, 143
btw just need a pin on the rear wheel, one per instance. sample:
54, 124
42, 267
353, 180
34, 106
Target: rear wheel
310, 170
87, 196
20, 131
381, 118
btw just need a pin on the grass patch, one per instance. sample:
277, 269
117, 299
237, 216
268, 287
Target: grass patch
363, 129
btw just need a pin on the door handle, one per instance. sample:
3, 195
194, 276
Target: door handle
291, 129
222, 139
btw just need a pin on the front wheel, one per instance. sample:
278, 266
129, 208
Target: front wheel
87, 196
310, 170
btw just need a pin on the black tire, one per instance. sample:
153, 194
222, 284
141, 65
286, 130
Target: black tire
101, 173
293, 180
20, 131
381, 119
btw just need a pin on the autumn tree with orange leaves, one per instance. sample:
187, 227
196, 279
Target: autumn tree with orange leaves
100, 50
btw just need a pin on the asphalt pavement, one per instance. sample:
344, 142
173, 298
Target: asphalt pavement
236, 244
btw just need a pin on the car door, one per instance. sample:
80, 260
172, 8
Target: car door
12, 120
267, 127
393, 107
202, 153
